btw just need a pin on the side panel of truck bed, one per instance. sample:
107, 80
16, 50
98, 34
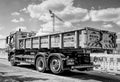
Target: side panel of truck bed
35, 42
86, 38
69, 39
108, 40
100, 39
55, 41
93, 39
44, 42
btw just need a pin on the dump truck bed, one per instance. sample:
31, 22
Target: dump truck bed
83, 38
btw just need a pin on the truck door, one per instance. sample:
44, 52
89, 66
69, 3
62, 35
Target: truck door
10, 41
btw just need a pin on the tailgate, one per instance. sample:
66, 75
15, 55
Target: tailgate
101, 39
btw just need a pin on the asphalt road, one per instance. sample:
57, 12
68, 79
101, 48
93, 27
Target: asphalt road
27, 73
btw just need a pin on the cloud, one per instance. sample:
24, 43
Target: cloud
63, 8
1, 27
2, 43
23, 28
74, 14
118, 33
19, 20
59, 26
107, 26
15, 20
2, 36
24, 10
40, 32
68, 24
118, 40
107, 15
48, 27
118, 22
15, 14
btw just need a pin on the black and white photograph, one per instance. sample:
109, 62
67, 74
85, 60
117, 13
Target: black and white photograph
59, 40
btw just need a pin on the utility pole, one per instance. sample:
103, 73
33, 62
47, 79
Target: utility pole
54, 16
53, 22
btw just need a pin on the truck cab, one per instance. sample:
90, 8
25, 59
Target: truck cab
12, 41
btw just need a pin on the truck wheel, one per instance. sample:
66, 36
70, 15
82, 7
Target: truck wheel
40, 64
56, 65
12, 61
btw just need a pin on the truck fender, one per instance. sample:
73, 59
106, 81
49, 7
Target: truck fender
59, 55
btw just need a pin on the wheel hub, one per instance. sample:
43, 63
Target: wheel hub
40, 65
55, 64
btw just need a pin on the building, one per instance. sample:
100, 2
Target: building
118, 46
3, 53
2, 43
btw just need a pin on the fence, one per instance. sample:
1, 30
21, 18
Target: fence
3, 54
107, 62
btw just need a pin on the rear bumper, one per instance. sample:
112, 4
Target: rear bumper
84, 66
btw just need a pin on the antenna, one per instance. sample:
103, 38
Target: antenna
19, 29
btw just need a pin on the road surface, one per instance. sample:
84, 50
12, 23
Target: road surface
27, 73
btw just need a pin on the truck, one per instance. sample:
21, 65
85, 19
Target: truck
59, 51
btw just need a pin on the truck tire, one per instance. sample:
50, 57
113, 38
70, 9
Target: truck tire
12, 61
56, 65
40, 64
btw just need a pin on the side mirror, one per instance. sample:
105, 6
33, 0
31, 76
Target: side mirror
6, 40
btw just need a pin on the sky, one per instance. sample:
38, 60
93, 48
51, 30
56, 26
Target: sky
33, 15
